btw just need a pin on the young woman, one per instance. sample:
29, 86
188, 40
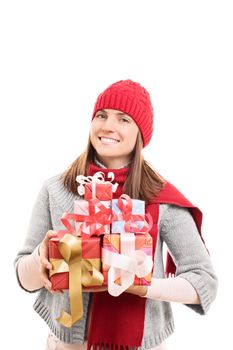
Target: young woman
122, 124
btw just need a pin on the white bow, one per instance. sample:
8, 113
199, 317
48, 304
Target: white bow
97, 178
126, 265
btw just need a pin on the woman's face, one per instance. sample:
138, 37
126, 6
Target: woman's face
113, 134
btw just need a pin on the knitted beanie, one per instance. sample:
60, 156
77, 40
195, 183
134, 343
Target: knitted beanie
130, 98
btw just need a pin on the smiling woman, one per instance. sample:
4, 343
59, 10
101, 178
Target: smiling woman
122, 124
109, 136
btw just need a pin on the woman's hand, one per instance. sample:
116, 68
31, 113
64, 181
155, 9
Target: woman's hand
45, 265
137, 290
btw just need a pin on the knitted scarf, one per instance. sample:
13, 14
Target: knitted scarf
117, 323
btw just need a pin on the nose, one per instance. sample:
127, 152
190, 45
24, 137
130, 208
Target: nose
109, 124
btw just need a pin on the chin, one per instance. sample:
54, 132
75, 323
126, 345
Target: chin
108, 155
106, 151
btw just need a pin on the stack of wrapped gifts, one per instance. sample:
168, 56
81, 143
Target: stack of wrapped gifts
127, 250
105, 242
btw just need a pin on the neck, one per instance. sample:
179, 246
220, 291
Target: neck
112, 164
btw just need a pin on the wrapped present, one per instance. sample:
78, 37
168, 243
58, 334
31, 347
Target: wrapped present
128, 215
90, 250
92, 217
75, 263
103, 192
126, 260
96, 186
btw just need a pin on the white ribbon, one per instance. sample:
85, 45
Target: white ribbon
126, 265
97, 178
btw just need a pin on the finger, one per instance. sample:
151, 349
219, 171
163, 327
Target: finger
50, 234
44, 260
44, 249
46, 282
49, 287
44, 277
52, 291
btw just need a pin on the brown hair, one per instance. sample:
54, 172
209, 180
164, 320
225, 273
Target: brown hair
142, 181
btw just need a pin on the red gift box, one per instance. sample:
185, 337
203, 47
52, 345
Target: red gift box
73, 260
103, 191
59, 275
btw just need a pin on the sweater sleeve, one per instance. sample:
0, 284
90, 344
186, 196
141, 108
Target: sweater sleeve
27, 260
179, 232
176, 289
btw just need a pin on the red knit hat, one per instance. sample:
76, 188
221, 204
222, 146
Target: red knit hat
131, 98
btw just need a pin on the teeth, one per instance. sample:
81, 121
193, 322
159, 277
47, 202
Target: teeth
107, 140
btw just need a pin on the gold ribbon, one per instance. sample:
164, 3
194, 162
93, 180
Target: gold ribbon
81, 272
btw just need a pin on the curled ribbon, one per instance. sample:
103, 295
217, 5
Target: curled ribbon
103, 217
97, 178
81, 272
129, 218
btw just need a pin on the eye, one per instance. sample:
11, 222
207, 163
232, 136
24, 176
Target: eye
100, 116
125, 120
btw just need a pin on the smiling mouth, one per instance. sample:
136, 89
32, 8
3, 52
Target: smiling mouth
107, 140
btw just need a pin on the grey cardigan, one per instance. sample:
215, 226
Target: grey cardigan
176, 228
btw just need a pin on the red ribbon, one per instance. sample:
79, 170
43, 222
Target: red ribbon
130, 218
103, 217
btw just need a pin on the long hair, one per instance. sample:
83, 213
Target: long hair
142, 181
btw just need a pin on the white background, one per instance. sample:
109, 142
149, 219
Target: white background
56, 57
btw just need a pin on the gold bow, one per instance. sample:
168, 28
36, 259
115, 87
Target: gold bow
81, 272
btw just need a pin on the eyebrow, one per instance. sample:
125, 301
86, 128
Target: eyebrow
118, 113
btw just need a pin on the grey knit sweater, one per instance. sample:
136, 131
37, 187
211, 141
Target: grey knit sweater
176, 228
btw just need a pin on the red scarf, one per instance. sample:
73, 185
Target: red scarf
118, 323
